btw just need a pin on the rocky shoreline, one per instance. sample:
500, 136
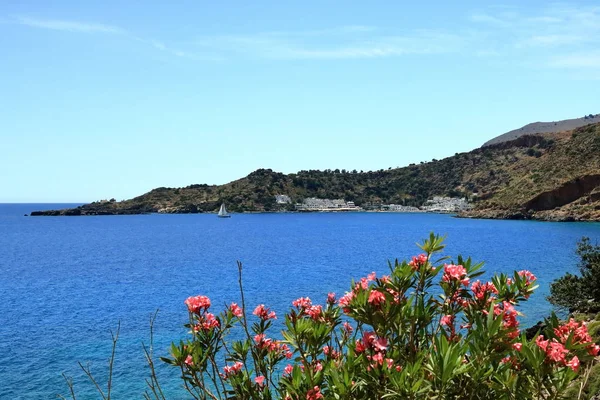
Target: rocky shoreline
547, 215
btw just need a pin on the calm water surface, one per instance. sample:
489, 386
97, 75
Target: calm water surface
65, 282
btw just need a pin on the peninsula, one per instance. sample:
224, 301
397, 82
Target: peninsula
552, 175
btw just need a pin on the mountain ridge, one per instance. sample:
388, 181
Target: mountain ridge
545, 127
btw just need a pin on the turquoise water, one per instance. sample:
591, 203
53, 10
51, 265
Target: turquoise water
65, 282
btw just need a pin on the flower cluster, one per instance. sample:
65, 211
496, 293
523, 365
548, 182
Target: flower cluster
230, 370
453, 273
483, 291
196, 304
236, 310
418, 261
264, 313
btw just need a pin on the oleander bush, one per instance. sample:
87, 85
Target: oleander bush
428, 329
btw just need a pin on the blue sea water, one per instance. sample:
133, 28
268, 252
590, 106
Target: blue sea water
66, 282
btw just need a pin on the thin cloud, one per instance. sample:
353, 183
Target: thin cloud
557, 36
342, 43
576, 61
69, 26
87, 27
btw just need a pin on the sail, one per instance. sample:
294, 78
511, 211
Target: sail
223, 211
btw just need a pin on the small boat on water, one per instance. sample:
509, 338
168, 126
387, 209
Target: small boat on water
223, 212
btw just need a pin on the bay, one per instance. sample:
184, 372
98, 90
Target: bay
66, 282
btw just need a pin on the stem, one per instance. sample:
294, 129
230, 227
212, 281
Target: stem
115, 338
69, 381
244, 319
153, 384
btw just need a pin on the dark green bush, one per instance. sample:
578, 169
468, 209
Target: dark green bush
580, 292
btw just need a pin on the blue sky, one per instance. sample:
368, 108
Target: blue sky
113, 98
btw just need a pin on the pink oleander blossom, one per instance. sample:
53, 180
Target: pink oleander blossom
345, 301
314, 394
447, 320
418, 261
455, 273
264, 313
236, 310
302, 303
230, 370
376, 298
196, 304
331, 298
573, 364
529, 277
481, 291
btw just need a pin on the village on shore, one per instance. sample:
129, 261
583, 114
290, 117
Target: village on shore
437, 204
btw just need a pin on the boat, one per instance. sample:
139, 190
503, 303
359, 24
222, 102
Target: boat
223, 212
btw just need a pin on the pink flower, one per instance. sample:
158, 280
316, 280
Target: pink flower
315, 312
447, 320
235, 310
360, 347
328, 351
189, 360
196, 303
380, 344
517, 346
573, 364
314, 394
264, 313
331, 298
594, 349
207, 322
232, 370
480, 291
376, 298
302, 303
371, 276
345, 301
556, 352
541, 343
378, 359
418, 261
455, 273
260, 380
529, 277
347, 327
288, 369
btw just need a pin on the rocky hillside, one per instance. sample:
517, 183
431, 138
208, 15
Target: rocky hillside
562, 183
545, 127
554, 176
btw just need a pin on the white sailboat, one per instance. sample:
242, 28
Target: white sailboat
223, 212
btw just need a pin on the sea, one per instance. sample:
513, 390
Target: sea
66, 283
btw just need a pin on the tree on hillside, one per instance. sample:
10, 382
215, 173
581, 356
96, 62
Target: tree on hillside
580, 292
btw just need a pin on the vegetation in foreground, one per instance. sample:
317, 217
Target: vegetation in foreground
426, 330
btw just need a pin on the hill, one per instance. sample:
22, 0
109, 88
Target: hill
545, 127
552, 176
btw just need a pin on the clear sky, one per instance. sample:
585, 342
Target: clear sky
113, 98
